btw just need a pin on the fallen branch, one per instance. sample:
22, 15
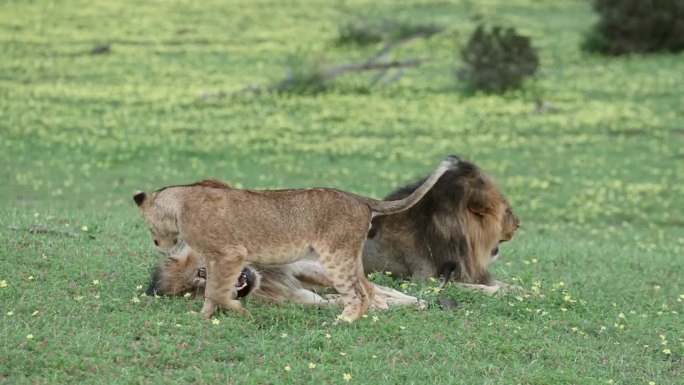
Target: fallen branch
38, 229
317, 79
369, 66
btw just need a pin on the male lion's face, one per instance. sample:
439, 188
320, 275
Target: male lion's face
159, 219
509, 224
190, 277
184, 271
495, 220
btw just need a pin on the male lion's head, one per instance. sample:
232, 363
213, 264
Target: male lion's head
457, 226
184, 272
488, 220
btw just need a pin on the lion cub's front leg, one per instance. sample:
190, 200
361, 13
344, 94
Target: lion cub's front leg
222, 273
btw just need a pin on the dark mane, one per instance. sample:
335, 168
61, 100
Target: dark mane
447, 196
444, 186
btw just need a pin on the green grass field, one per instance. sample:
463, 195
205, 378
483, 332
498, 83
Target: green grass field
598, 185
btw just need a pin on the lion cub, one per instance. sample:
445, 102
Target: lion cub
229, 227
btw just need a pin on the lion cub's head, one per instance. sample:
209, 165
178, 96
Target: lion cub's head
159, 209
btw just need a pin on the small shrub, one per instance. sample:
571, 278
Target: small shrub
637, 26
497, 60
366, 32
304, 76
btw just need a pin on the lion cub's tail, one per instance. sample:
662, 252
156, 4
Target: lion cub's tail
391, 207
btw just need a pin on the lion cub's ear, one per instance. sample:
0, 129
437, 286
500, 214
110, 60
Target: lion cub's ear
139, 197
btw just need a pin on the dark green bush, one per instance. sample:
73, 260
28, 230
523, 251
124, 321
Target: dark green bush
637, 26
497, 60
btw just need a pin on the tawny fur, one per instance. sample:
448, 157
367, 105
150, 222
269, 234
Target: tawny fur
456, 223
229, 227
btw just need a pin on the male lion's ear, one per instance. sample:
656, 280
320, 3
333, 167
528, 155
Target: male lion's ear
477, 204
139, 197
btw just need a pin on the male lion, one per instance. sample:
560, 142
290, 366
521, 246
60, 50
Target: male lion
457, 226
230, 226
183, 273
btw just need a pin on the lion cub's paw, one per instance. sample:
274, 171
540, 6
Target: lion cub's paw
344, 318
208, 309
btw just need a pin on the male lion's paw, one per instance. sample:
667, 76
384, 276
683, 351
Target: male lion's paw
491, 290
512, 289
380, 303
335, 299
422, 305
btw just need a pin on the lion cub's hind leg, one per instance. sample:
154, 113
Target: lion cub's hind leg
354, 288
222, 273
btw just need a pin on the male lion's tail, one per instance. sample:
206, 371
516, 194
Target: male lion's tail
391, 207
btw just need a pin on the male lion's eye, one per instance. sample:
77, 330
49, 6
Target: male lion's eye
202, 273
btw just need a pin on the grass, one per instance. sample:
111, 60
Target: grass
597, 184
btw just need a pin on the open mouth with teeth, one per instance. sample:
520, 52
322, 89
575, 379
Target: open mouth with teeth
245, 282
